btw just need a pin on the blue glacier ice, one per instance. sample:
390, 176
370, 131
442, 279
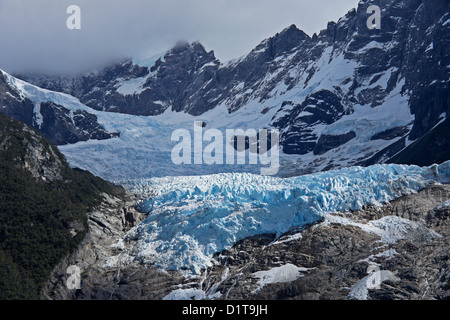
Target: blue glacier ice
192, 218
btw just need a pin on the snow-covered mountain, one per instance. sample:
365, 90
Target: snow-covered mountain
59, 117
346, 96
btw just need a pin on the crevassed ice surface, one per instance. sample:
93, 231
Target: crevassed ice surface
192, 218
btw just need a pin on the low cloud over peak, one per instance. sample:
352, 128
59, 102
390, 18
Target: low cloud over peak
35, 37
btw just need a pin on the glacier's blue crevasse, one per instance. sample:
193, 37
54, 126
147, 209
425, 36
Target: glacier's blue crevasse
192, 218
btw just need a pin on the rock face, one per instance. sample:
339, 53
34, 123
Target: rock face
53, 120
35, 155
346, 96
340, 257
433, 147
107, 224
335, 260
13, 105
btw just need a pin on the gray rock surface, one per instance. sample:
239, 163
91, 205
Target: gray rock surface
108, 223
54, 121
39, 157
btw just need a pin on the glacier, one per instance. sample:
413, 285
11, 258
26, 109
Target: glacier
191, 219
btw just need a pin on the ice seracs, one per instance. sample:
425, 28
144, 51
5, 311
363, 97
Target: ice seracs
190, 219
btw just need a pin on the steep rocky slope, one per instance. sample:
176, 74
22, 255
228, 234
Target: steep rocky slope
43, 206
48, 115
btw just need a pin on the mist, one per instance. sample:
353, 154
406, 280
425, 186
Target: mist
34, 36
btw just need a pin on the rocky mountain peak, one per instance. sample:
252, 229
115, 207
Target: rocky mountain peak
287, 40
283, 42
184, 57
29, 150
184, 47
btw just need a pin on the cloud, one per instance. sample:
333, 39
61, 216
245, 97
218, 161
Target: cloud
34, 36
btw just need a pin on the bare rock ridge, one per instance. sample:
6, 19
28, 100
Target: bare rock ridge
108, 223
53, 120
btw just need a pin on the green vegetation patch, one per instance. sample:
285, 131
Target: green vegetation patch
37, 216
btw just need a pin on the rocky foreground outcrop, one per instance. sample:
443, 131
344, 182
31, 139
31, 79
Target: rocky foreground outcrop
398, 251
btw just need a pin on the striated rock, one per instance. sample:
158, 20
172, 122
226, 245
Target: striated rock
43, 208
35, 154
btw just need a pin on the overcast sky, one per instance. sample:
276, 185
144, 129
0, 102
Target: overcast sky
34, 36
